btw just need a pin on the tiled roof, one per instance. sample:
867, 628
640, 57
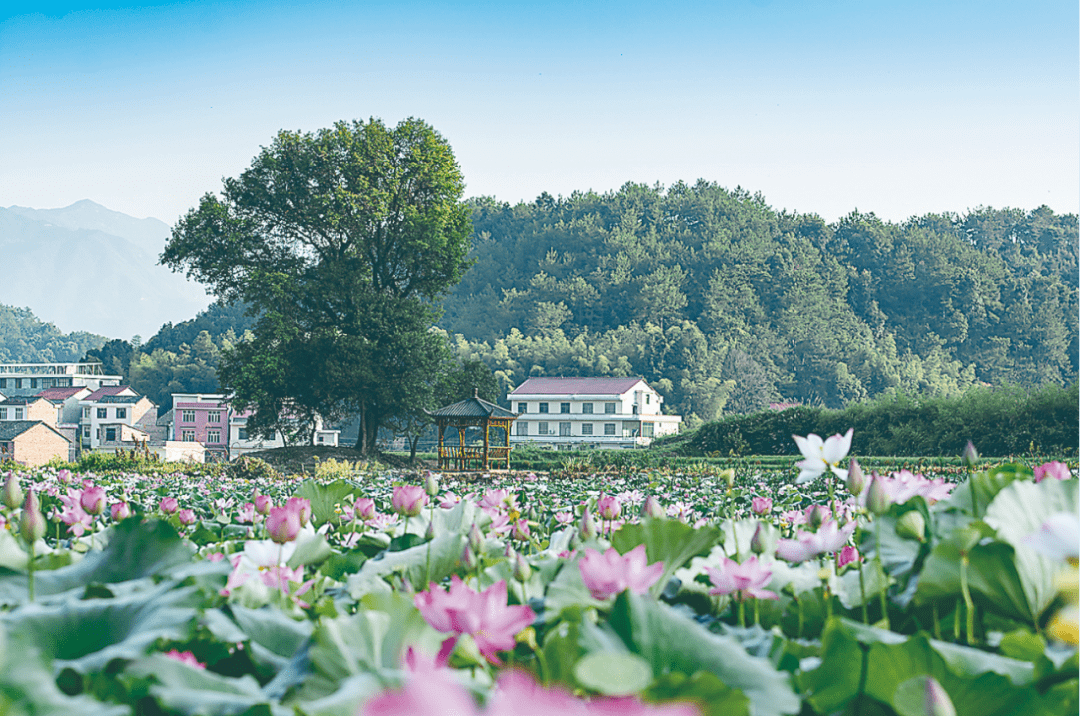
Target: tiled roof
472, 408
60, 393
575, 386
20, 400
11, 429
110, 399
107, 390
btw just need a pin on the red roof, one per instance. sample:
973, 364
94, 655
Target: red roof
108, 390
576, 386
60, 393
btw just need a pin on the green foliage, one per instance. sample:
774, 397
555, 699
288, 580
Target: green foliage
252, 468
339, 241
25, 339
1004, 421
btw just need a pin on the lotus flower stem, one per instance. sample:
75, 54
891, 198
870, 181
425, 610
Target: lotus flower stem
937, 623
956, 623
881, 566
30, 574
742, 613
757, 612
862, 594
969, 605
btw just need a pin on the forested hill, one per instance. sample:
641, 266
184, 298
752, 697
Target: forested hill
25, 339
730, 304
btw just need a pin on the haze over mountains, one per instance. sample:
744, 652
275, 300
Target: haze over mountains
87, 268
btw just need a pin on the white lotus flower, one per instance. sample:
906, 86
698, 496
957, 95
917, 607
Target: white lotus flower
1058, 538
822, 455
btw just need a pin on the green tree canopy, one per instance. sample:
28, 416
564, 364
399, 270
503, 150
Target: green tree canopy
338, 241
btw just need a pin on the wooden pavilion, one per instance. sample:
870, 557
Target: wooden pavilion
494, 423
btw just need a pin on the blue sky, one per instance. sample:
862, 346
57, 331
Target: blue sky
825, 107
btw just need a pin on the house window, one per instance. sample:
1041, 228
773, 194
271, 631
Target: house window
564, 430
542, 430
523, 407
564, 407
86, 413
609, 428
121, 413
187, 416
543, 407
241, 434
647, 398
634, 409
647, 430
586, 408
3, 382
215, 416
187, 436
609, 408
110, 435
33, 382
86, 432
522, 429
18, 382
214, 436
18, 413
586, 428
3, 413
102, 413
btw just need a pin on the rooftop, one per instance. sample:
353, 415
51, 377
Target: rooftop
575, 386
107, 390
11, 429
60, 393
110, 399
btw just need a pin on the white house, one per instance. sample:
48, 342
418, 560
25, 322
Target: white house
589, 412
29, 378
117, 417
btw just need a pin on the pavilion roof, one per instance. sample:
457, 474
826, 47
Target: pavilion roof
474, 407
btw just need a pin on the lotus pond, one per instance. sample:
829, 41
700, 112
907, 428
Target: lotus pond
817, 588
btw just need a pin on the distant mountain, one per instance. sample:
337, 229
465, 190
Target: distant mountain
149, 235
87, 268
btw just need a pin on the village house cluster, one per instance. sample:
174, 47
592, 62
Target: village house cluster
65, 410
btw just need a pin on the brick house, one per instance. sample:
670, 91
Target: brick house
31, 442
118, 417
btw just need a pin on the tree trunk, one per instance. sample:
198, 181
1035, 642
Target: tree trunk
361, 437
412, 447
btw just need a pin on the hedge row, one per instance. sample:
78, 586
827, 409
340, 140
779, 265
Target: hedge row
999, 421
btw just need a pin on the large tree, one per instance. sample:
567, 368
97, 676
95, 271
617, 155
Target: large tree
339, 241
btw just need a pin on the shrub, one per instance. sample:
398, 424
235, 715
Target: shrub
252, 468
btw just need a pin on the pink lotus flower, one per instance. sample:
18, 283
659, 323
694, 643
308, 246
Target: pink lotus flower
1054, 470
263, 504
822, 455
743, 580
186, 517
496, 500
120, 510
847, 555
169, 505
365, 508
653, 508
428, 690
608, 507
564, 518
283, 524
520, 531
807, 545
408, 500
761, 505
185, 657
246, 513
301, 506
484, 615
73, 515
610, 573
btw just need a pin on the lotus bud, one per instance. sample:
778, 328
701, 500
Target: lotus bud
877, 496
761, 505
92, 500
729, 477
816, 515
263, 503
408, 500
938, 702
169, 505
522, 570
301, 506
912, 525
520, 531
509, 552
120, 510
653, 508
609, 507
31, 521
856, 481
186, 517
476, 539
13, 494
431, 483
429, 533
971, 455
364, 508
468, 558
588, 526
283, 524
759, 542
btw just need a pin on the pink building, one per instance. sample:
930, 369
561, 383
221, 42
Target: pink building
202, 418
